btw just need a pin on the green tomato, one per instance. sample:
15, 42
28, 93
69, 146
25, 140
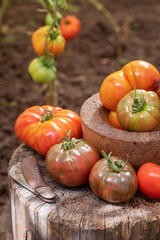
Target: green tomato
49, 19
42, 70
139, 111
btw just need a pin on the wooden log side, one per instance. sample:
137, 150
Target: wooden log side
77, 214
142, 147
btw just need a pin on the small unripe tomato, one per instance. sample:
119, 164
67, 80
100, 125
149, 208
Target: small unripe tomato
42, 70
49, 19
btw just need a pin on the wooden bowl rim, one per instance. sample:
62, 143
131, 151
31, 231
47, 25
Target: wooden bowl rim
92, 115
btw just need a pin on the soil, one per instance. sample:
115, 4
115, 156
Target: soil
86, 61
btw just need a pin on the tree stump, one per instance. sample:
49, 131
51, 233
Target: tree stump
77, 214
141, 147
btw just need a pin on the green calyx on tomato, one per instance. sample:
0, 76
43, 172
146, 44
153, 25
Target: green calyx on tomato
42, 69
54, 34
47, 61
138, 102
67, 143
115, 166
46, 116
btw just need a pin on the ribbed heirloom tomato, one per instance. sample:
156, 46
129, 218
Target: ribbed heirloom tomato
139, 111
70, 27
70, 162
113, 179
55, 41
40, 127
139, 74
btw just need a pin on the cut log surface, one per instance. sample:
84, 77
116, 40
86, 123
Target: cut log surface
77, 214
141, 147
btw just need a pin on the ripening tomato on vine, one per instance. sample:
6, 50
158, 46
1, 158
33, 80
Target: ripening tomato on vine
48, 42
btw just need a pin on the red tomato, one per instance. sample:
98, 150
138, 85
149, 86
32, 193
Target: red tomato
113, 180
70, 162
139, 74
42, 127
55, 42
70, 27
112, 117
149, 180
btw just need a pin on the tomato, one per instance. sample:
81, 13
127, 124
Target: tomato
149, 180
139, 74
70, 162
42, 70
49, 19
70, 27
139, 111
157, 87
113, 179
55, 42
40, 127
112, 117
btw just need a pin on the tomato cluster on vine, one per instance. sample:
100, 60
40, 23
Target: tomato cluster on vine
49, 41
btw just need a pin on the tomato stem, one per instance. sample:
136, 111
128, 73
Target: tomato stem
138, 102
115, 166
53, 32
67, 143
54, 24
46, 116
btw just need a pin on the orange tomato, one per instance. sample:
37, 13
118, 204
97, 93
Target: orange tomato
55, 42
40, 127
114, 120
139, 74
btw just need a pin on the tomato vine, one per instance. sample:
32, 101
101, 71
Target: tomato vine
52, 44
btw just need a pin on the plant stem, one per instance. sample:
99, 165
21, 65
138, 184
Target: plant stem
51, 95
3, 8
116, 29
48, 5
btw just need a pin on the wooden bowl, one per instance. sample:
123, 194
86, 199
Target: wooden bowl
142, 147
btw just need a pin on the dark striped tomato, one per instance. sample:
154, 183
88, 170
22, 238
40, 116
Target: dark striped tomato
71, 167
110, 185
41, 127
